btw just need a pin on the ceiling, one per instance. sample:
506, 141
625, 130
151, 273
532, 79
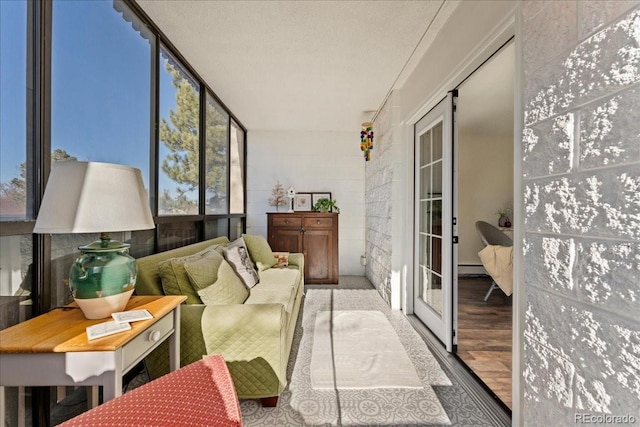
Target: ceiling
300, 65
486, 97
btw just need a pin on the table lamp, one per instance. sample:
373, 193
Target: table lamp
91, 197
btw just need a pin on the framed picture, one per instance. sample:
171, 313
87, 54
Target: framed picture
302, 202
317, 196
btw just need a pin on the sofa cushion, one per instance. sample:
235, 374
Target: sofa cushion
226, 287
174, 276
278, 278
237, 255
276, 286
202, 272
260, 251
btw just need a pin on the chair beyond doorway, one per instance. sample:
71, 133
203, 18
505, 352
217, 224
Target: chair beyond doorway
491, 235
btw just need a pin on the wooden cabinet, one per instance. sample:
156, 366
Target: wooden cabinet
312, 233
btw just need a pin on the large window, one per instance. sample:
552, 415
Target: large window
16, 248
96, 81
237, 190
13, 110
216, 157
100, 94
100, 84
179, 138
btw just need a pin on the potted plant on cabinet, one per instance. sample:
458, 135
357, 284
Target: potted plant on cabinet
325, 205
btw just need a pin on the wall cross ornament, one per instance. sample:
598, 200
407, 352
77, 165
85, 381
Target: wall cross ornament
366, 140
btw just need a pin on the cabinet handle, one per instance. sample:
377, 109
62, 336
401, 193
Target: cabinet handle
154, 336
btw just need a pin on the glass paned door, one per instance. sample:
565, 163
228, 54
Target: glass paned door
433, 284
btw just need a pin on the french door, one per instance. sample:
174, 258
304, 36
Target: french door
434, 226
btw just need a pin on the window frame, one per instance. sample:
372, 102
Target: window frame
38, 147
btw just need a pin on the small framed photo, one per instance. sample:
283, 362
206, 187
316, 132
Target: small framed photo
317, 196
302, 202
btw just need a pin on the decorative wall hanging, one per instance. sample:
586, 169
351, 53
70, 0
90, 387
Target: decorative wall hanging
366, 140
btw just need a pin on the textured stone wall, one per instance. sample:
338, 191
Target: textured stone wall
378, 205
581, 168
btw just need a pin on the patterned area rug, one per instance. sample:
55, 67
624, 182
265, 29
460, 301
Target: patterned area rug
301, 405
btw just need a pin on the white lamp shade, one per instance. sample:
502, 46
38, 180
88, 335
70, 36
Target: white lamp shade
91, 197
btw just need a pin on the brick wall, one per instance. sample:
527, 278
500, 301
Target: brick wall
379, 206
581, 169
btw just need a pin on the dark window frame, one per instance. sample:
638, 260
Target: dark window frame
39, 31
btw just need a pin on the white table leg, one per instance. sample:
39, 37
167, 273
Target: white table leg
174, 342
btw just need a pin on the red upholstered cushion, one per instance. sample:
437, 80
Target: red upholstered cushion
200, 394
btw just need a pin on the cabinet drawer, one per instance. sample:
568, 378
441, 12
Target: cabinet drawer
287, 222
318, 222
141, 345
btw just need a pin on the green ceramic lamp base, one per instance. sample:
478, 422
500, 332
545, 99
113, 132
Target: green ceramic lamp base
103, 278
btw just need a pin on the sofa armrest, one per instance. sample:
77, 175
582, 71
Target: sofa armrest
252, 338
297, 259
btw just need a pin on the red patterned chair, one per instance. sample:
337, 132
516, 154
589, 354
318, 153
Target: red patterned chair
199, 394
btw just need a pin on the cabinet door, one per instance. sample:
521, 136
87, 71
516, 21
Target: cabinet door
285, 240
318, 250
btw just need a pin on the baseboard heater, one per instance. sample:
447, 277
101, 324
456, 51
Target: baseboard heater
471, 270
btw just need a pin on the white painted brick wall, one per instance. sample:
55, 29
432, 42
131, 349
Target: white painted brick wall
581, 169
379, 205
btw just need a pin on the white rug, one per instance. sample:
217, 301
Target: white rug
359, 349
364, 406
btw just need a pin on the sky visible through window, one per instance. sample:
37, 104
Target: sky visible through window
101, 68
13, 75
100, 85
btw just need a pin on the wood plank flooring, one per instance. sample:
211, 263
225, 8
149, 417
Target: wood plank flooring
484, 334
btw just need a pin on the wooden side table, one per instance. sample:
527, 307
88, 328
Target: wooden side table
53, 349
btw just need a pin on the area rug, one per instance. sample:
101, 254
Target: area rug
302, 405
359, 349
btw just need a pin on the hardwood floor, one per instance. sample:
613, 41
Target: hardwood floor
484, 334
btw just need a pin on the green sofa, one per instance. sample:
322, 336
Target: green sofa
254, 337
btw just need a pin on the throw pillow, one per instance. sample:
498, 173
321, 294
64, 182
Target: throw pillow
260, 251
203, 272
215, 281
174, 276
282, 259
237, 255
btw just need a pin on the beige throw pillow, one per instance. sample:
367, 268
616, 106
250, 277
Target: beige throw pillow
215, 281
174, 276
237, 255
260, 251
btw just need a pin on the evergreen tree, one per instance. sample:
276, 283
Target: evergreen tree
180, 134
16, 189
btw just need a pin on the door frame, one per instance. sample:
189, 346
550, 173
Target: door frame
511, 26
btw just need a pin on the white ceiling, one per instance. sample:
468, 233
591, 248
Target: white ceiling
300, 65
486, 98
